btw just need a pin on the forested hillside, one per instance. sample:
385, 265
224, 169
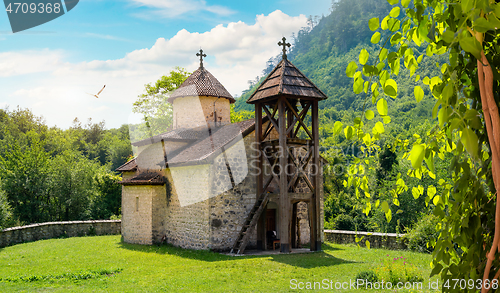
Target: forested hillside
49, 174
323, 51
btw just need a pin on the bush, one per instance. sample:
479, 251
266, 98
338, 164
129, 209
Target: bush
344, 222
368, 276
422, 233
6, 217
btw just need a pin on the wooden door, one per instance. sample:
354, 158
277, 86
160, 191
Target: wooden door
271, 220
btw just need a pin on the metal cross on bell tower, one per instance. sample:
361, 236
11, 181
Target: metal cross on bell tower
201, 55
284, 44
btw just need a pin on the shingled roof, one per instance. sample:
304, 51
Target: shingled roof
179, 135
201, 83
201, 149
128, 166
145, 178
286, 79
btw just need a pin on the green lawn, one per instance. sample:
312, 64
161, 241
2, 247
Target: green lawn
105, 264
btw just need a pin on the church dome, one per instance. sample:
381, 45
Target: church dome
201, 83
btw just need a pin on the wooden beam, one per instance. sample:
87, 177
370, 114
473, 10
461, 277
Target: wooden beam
293, 197
271, 117
300, 120
294, 226
258, 141
285, 209
315, 202
304, 111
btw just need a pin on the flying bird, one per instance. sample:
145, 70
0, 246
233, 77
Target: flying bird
97, 96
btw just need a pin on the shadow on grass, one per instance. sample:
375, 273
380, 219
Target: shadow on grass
309, 260
304, 260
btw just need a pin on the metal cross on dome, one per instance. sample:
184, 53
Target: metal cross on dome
201, 57
284, 44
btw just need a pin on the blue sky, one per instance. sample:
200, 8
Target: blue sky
125, 44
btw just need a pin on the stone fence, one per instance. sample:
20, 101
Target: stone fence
15, 235
377, 240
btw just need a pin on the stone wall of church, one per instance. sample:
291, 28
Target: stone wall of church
229, 207
186, 216
137, 214
192, 112
150, 157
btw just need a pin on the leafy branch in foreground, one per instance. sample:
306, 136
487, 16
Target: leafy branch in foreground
468, 125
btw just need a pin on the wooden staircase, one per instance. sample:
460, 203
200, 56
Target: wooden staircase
249, 225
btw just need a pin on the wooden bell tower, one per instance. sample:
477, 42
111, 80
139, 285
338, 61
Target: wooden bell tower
284, 104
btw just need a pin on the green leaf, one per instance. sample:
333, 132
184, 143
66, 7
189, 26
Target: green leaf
385, 206
337, 127
405, 3
384, 25
386, 119
436, 200
375, 38
431, 191
349, 132
382, 107
388, 216
369, 114
448, 36
436, 270
393, 2
471, 45
395, 12
391, 88
496, 7
378, 128
383, 54
470, 140
467, 5
482, 25
358, 85
430, 161
394, 24
417, 155
444, 115
419, 93
367, 243
363, 57
373, 23
351, 69
493, 20
416, 193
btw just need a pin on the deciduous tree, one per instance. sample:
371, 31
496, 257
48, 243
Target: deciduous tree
466, 107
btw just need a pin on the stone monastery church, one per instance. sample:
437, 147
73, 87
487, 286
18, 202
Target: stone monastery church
212, 184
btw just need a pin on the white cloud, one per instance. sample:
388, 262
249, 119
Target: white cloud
176, 8
50, 86
19, 63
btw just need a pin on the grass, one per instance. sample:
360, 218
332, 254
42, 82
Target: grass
105, 264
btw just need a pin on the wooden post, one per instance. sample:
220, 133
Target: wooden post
294, 225
284, 201
261, 228
261, 231
316, 180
